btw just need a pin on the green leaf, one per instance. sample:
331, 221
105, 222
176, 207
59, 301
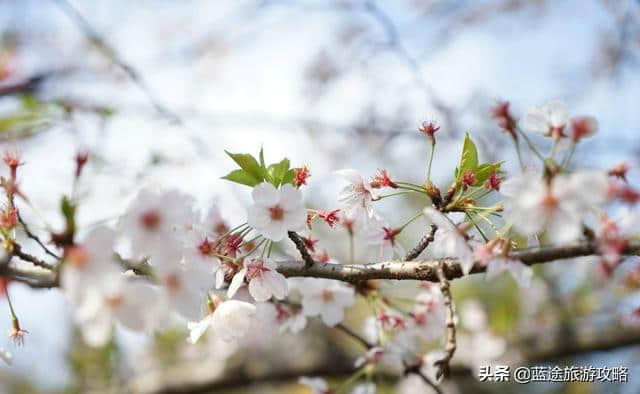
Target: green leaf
248, 163
242, 177
288, 177
262, 157
469, 157
485, 170
68, 209
277, 172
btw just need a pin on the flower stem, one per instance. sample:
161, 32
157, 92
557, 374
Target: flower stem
13, 313
411, 220
433, 149
517, 144
530, 145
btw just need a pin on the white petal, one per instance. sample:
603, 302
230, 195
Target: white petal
290, 197
332, 314
265, 195
197, 329
495, 267
520, 272
236, 282
258, 216
259, 289
97, 330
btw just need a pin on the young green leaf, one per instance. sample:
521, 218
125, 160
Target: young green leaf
242, 177
485, 170
248, 163
277, 172
469, 157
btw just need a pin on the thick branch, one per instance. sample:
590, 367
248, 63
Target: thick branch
426, 269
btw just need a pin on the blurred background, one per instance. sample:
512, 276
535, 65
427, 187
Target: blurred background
156, 89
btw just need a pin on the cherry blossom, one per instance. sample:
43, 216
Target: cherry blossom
357, 194
128, 302
506, 122
557, 207
152, 215
429, 129
88, 264
276, 211
384, 237
230, 321
291, 318
494, 255
182, 286
549, 119
264, 281
449, 240
582, 127
213, 221
301, 175
326, 298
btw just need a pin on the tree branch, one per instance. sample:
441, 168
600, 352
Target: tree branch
302, 248
399, 270
450, 349
426, 269
422, 245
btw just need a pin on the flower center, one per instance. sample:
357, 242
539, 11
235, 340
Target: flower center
549, 201
77, 256
172, 282
276, 212
327, 296
205, 247
150, 220
115, 300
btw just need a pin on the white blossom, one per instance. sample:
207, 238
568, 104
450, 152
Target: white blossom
548, 119
449, 240
357, 194
276, 211
154, 214
128, 302
384, 237
88, 264
558, 207
264, 280
520, 272
230, 321
326, 298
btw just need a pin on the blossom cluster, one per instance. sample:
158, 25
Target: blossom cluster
165, 261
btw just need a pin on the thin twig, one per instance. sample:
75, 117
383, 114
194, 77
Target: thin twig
34, 237
17, 251
422, 245
353, 335
302, 248
450, 348
415, 369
